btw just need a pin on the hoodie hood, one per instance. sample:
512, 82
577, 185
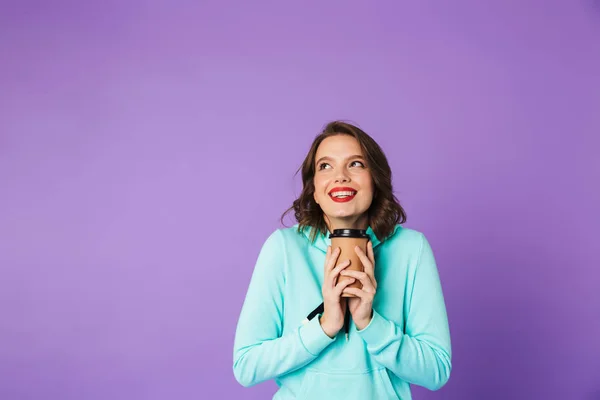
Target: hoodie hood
322, 241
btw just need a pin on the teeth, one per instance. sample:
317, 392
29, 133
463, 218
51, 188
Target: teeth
343, 194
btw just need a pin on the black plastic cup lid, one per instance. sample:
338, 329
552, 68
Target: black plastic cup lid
349, 233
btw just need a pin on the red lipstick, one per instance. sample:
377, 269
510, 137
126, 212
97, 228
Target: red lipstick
351, 193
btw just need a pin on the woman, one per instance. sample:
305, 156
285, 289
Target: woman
398, 333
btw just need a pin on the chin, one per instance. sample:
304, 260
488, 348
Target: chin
344, 214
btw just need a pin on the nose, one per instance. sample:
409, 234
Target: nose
341, 176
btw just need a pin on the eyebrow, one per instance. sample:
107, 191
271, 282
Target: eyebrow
349, 158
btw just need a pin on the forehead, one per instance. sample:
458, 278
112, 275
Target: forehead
339, 146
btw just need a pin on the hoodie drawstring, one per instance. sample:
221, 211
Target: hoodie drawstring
321, 308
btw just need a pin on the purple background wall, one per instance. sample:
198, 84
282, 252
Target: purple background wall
147, 150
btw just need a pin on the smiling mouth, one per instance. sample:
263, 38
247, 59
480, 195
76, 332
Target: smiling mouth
342, 196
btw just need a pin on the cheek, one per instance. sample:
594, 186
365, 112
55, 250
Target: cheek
368, 186
366, 182
320, 183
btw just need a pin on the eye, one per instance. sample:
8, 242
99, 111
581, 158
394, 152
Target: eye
359, 162
322, 165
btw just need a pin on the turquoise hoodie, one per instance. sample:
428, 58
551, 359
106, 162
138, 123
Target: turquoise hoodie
406, 342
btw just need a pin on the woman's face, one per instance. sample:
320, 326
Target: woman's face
343, 184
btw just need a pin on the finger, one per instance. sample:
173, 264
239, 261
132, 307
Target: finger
361, 254
334, 273
327, 257
340, 267
341, 286
371, 254
333, 256
364, 296
363, 277
367, 264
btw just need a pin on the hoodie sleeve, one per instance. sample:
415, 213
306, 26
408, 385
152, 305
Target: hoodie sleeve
421, 354
260, 351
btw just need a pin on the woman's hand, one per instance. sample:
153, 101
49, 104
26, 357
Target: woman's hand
334, 306
361, 307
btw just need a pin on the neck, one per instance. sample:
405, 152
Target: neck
359, 222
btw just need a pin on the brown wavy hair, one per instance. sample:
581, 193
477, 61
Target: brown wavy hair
385, 211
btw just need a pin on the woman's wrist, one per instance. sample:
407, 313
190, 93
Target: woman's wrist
329, 331
360, 325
